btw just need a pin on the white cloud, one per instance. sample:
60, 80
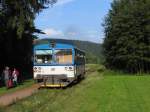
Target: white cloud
52, 32
73, 34
63, 2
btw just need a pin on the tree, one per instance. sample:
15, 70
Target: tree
17, 31
127, 31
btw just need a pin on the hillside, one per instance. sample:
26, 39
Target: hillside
93, 50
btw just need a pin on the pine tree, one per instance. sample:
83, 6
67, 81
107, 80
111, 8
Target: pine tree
127, 31
17, 31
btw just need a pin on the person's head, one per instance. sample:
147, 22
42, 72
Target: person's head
14, 69
7, 68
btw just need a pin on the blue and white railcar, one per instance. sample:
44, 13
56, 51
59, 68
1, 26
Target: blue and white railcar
58, 64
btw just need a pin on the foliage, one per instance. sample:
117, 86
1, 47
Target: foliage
127, 31
91, 58
17, 31
94, 68
18, 13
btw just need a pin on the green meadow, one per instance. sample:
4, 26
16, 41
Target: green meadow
101, 91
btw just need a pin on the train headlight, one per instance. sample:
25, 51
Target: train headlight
37, 69
69, 68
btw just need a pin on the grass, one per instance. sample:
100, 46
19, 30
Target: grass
4, 90
106, 91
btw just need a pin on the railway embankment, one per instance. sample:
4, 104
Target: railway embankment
10, 98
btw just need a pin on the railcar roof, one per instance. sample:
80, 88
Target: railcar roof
57, 46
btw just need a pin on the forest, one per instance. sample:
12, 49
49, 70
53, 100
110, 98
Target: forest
127, 36
17, 32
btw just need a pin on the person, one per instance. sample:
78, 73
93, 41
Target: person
7, 76
45, 60
15, 74
1, 80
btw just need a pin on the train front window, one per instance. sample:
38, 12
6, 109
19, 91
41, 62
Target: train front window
43, 56
63, 56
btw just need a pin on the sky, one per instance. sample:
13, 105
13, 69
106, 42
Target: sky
74, 19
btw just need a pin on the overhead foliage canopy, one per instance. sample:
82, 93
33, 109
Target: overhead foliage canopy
16, 14
17, 31
127, 31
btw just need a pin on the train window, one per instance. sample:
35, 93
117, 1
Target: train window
43, 56
63, 56
79, 57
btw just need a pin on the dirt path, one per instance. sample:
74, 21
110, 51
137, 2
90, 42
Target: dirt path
10, 98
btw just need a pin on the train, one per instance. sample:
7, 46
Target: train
58, 64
